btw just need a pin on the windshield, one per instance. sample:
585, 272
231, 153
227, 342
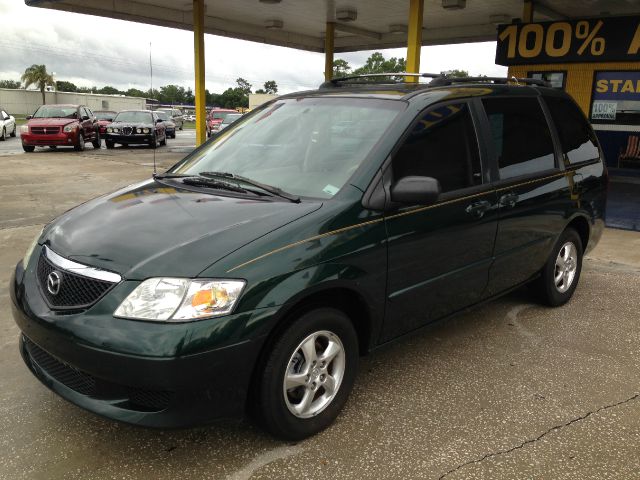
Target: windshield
104, 115
133, 117
231, 118
305, 146
54, 111
162, 116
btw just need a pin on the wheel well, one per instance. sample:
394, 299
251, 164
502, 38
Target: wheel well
581, 225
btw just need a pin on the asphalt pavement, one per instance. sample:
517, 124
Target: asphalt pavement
508, 390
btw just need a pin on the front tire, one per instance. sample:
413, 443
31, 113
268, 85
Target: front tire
308, 375
109, 144
28, 148
3, 134
15, 131
79, 147
96, 141
561, 273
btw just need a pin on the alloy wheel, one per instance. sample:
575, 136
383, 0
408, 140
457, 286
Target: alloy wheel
566, 267
314, 374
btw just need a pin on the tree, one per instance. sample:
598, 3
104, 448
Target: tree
260, 90
376, 63
456, 73
9, 84
37, 75
134, 92
87, 89
341, 68
63, 86
109, 90
270, 87
244, 86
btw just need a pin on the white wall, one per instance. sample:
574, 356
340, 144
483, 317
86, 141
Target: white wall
25, 102
257, 99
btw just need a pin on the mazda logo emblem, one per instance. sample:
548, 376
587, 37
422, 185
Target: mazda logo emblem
53, 283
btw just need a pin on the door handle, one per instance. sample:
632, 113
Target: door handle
477, 209
509, 200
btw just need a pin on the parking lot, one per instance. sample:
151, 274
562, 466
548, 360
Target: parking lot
509, 390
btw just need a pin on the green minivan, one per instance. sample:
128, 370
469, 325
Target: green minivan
252, 275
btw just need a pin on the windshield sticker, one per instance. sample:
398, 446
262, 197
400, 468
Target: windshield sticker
330, 189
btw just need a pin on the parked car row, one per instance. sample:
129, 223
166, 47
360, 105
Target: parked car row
74, 125
217, 116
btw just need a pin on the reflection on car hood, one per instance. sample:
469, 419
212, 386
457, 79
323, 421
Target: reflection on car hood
152, 229
50, 122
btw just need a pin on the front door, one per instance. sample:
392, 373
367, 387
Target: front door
439, 255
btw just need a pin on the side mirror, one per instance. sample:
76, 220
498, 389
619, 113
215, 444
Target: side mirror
159, 120
415, 190
29, 117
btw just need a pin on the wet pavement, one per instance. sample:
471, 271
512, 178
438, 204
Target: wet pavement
509, 390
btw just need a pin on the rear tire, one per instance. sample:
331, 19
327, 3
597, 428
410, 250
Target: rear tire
561, 273
307, 375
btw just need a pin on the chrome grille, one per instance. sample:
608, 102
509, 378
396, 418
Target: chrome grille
127, 130
76, 292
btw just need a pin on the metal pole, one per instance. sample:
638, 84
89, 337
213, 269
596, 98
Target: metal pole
198, 43
329, 40
414, 38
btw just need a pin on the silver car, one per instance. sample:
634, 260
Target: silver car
176, 116
228, 120
7, 125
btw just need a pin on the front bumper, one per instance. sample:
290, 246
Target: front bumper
42, 140
83, 359
137, 138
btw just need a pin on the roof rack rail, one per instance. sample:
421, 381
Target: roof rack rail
334, 82
438, 79
444, 80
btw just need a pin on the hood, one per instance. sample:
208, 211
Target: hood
152, 229
103, 123
50, 122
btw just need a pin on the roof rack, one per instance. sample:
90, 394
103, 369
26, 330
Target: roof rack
334, 82
438, 79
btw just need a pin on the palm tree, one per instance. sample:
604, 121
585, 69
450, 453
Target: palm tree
37, 75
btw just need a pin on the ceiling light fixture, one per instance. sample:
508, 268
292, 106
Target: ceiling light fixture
346, 14
273, 24
398, 28
454, 4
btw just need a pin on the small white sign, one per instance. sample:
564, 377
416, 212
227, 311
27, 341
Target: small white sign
604, 110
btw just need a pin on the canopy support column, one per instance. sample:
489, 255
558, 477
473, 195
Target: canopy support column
200, 98
414, 38
527, 11
329, 40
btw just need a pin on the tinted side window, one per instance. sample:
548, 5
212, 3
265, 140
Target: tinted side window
442, 145
520, 135
576, 137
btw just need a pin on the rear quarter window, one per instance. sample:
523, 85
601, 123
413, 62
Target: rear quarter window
520, 134
576, 136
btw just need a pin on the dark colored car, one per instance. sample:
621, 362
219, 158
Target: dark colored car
135, 127
104, 118
169, 124
176, 116
59, 126
253, 274
215, 118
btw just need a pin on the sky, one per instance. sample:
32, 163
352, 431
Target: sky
94, 51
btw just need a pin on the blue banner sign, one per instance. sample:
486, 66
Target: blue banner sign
617, 86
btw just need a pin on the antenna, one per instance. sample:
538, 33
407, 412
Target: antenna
151, 93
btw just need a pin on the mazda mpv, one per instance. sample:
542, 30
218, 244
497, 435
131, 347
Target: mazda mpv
252, 275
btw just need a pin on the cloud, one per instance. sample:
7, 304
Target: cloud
95, 51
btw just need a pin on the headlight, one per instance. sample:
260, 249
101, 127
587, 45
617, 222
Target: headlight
116, 130
24, 128
145, 130
109, 129
180, 299
139, 130
70, 128
32, 247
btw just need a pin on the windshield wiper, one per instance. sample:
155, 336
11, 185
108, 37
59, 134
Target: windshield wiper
210, 183
267, 188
